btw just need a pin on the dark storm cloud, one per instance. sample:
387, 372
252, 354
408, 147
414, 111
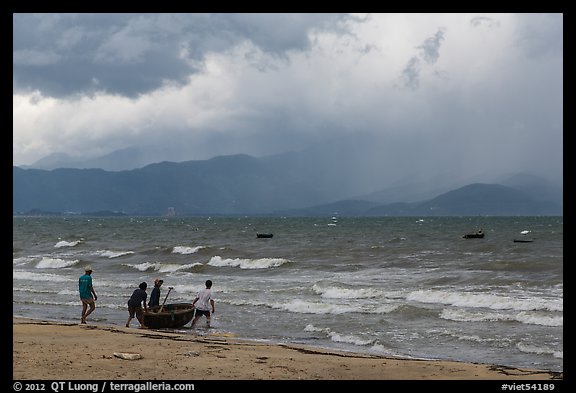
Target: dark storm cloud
131, 54
478, 94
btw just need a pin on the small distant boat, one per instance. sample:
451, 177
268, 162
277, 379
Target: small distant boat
476, 235
264, 235
523, 240
172, 316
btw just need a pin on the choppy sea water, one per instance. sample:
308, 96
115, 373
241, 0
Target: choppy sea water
407, 287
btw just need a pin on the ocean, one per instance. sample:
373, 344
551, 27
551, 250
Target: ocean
405, 287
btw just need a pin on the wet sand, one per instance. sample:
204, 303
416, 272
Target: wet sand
48, 350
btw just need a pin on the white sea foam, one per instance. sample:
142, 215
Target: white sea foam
20, 275
186, 250
184, 290
487, 300
22, 260
349, 339
461, 315
63, 243
34, 289
381, 350
113, 254
54, 263
243, 302
535, 318
346, 293
162, 267
261, 263
306, 307
68, 292
76, 303
486, 340
530, 348
527, 317
312, 328
339, 338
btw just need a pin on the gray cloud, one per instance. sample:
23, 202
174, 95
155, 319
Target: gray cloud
540, 35
474, 99
34, 57
430, 49
411, 73
131, 54
429, 54
484, 21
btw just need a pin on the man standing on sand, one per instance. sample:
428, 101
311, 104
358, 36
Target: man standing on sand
204, 300
86, 291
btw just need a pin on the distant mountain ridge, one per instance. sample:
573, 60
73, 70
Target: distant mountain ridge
245, 185
119, 160
471, 200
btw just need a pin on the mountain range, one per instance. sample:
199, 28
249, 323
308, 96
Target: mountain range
284, 184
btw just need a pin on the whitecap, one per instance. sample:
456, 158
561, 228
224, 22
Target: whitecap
346, 293
487, 300
349, 339
531, 348
20, 275
113, 254
64, 243
261, 263
162, 267
54, 263
301, 306
186, 250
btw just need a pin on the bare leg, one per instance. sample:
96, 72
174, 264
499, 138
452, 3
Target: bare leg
84, 307
196, 318
128, 321
92, 307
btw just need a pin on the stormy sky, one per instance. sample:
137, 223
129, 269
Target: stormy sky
410, 94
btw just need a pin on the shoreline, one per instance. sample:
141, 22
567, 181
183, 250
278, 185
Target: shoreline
50, 350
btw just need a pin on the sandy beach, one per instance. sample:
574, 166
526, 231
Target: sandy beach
47, 350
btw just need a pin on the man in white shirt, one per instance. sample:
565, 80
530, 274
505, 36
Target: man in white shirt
204, 301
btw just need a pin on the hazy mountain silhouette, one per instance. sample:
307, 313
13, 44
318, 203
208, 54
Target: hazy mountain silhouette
119, 160
239, 184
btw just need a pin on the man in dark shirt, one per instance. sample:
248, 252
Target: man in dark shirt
137, 300
155, 295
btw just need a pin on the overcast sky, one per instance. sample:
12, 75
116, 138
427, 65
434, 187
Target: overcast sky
481, 92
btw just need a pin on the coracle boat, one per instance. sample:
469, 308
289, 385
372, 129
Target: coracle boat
172, 316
